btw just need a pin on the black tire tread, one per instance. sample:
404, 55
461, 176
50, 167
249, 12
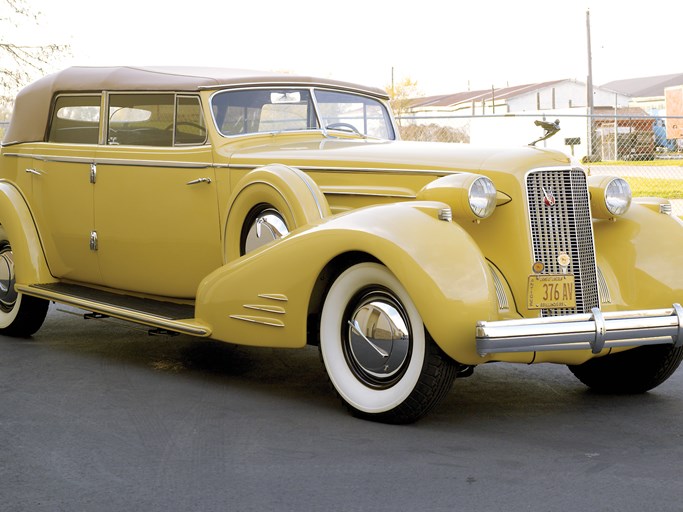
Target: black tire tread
435, 382
631, 372
31, 315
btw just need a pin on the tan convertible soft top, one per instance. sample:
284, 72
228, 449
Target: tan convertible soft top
32, 105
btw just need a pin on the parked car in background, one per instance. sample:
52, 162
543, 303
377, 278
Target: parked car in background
279, 211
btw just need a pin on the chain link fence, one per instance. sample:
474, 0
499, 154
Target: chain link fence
646, 151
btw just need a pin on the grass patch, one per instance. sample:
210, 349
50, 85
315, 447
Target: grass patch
656, 187
641, 163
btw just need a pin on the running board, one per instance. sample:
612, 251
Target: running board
154, 313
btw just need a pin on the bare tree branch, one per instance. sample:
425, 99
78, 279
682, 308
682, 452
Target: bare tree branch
21, 63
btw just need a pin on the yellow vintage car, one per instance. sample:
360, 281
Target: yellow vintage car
278, 211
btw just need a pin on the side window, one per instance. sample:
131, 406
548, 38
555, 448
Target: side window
189, 125
75, 120
141, 119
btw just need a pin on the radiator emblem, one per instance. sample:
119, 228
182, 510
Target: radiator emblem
548, 197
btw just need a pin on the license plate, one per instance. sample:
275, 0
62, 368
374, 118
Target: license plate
551, 291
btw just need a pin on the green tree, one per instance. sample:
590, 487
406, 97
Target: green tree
20, 62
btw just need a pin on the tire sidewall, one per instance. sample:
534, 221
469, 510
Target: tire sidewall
8, 317
353, 391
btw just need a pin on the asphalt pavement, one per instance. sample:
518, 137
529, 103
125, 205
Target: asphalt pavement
100, 416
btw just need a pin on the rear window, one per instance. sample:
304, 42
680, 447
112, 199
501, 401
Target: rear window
75, 120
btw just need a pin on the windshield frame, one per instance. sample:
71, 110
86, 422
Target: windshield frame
386, 113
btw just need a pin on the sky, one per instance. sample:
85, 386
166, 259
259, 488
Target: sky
445, 46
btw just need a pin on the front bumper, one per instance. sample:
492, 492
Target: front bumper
595, 331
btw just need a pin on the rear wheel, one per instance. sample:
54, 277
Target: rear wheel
630, 372
264, 224
376, 350
20, 315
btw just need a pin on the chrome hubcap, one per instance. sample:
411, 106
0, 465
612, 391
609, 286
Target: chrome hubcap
266, 226
377, 339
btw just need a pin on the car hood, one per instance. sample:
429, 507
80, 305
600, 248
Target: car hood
340, 154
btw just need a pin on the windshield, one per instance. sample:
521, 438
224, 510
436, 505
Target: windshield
274, 110
351, 112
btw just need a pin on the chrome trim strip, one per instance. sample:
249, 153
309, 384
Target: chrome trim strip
268, 309
594, 331
379, 170
503, 304
258, 320
315, 196
273, 296
114, 161
130, 315
603, 289
331, 192
49, 158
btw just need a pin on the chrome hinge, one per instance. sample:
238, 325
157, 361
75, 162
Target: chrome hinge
93, 173
93, 241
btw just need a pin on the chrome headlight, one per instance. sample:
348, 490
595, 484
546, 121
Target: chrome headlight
617, 196
482, 197
610, 196
472, 197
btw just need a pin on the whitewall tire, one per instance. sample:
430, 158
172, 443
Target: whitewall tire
20, 315
375, 348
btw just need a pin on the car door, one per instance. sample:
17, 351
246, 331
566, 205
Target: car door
62, 188
156, 209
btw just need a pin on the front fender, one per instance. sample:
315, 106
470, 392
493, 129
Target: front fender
263, 298
30, 264
641, 257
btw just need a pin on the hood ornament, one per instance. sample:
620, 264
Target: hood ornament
550, 130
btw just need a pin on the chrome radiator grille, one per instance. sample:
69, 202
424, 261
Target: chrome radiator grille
561, 223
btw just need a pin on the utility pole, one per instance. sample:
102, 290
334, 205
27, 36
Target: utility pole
589, 85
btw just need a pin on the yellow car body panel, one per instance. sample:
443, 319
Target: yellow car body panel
264, 298
641, 258
18, 225
147, 202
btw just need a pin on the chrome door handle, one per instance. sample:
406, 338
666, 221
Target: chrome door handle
33, 171
199, 180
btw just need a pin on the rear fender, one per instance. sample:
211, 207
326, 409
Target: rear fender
264, 297
16, 220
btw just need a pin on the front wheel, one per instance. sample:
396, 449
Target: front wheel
630, 372
376, 350
20, 315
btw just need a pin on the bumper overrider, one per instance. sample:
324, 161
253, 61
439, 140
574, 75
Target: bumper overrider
596, 331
